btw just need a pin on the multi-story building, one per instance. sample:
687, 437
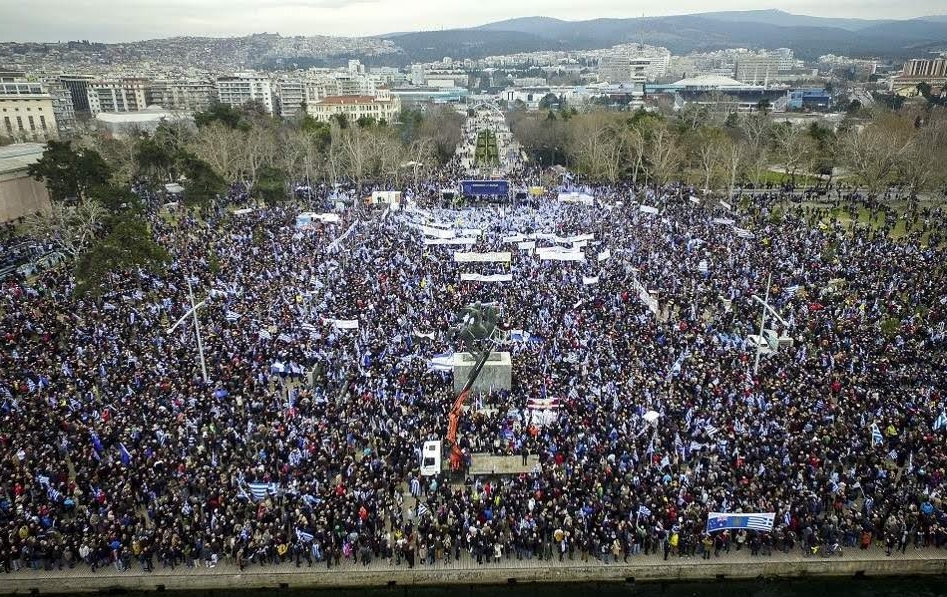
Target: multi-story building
26, 112
417, 76
291, 95
242, 88
388, 75
787, 59
381, 106
63, 109
932, 71
78, 87
757, 69
122, 95
921, 68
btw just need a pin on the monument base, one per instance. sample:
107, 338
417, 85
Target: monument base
497, 372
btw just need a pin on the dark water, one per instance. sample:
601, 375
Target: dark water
889, 587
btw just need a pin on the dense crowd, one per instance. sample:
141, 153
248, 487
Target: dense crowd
305, 439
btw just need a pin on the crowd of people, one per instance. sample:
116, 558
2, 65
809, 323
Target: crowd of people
302, 445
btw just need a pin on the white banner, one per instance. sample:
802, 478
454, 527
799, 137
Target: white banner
648, 209
342, 324
516, 238
436, 232
604, 255
561, 255
582, 198
450, 241
494, 257
726, 205
743, 233
587, 280
489, 278
694, 199
470, 231
723, 221
526, 246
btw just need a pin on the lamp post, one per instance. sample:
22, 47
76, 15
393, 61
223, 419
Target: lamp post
197, 328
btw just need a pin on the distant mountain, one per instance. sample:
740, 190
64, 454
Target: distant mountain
784, 19
809, 37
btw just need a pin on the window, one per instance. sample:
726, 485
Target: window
32, 124
19, 122
42, 122
6, 121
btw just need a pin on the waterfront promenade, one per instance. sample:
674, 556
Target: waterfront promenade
736, 565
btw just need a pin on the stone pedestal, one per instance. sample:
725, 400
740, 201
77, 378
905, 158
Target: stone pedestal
497, 372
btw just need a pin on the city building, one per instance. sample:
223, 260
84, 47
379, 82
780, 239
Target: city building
724, 92
633, 63
20, 193
814, 98
417, 76
63, 108
26, 112
291, 95
388, 75
242, 88
123, 95
78, 87
191, 95
932, 71
758, 69
382, 106
418, 97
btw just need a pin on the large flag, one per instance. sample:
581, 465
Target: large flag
758, 521
876, 437
259, 491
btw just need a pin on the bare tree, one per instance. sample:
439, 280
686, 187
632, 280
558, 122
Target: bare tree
794, 148
664, 154
71, 229
874, 152
222, 148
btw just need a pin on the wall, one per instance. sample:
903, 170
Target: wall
21, 195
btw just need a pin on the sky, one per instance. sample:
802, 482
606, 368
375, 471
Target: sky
129, 20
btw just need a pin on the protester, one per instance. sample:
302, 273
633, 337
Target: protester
304, 442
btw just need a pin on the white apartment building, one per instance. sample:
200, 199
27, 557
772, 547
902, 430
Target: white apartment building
291, 94
123, 95
381, 106
633, 64
242, 88
758, 69
190, 95
26, 112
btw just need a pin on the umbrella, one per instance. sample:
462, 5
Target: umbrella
651, 416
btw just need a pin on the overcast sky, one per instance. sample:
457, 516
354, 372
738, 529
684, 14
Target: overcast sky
126, 20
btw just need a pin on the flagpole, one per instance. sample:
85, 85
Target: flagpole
759, 348
197, 329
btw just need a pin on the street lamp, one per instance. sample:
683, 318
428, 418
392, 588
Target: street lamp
197, 328
759, 348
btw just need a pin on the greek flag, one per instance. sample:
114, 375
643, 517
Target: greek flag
52, 494
443, 362
283, 337
676, 367
422, 509
644, 511
66, 370
232, 316
126, 457
941, 421
759, 521
792, 290
303, 535
31, 385
876, 437
264, 334
259, 491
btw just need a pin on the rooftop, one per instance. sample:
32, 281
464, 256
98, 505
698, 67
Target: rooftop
711, 81
340, 100
19, 155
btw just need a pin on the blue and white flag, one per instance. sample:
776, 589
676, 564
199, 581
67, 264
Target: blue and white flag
284, 338
757, 521
443, 362
126, 457
232, 316
259, 491
264, 334
303, 535
96, 443
422, 509
941, 421
792, 290
876, 437
644, 511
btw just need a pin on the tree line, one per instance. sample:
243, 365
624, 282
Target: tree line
99, 225
721, 149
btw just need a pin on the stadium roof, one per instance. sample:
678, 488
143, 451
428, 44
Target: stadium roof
713, 81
